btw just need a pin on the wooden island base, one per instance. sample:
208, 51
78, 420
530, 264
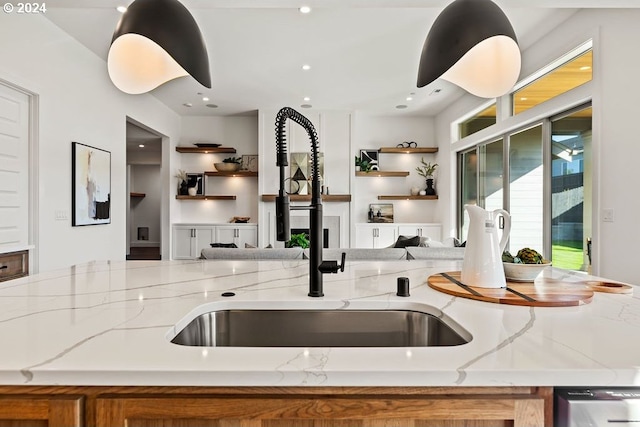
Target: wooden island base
74, 406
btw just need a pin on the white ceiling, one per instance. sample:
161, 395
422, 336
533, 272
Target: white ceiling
363, 53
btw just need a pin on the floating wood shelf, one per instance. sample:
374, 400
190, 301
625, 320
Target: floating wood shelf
407, 197
382, 173
205, 150
133, 194
180, 197
417, 150
237, 173
307, 198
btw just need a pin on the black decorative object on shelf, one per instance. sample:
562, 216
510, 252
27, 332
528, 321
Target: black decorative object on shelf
430, 191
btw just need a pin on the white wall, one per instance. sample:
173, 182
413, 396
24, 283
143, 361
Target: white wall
374, 132
77, 102
239, 132
615, 92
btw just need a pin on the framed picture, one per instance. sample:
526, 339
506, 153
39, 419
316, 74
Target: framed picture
91, 185
380, 212
250, 162
196, 180
300, 170
370, 156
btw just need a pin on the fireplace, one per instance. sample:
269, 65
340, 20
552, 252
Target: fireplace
330, 232
325, 235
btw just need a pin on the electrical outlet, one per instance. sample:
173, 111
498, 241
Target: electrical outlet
607, 215
61, 215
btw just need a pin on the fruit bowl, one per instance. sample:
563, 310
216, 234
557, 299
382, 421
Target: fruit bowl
517, 272
227, 167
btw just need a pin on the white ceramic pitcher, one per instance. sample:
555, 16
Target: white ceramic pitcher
482, 264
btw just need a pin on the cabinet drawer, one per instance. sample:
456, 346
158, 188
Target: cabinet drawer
13, 265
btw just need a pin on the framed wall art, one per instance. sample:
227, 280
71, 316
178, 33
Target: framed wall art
91, 185
380, 212
371, 156
250, 162
196, 180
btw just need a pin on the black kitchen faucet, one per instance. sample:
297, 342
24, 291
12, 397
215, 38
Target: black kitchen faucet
317, 267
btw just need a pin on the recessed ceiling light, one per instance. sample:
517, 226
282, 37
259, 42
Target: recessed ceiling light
306, 98
401, 107
306, 106
304, 9
585, 68
306, 67
212, 106
409, 98
141, 145
121, 9
205, 99
188, 104
524, 98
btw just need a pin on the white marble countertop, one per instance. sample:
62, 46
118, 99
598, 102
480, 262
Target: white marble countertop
107, 323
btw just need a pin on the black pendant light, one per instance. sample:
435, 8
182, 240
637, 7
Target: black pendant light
154, 42
473, 45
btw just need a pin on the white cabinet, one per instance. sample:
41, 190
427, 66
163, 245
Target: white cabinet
190, 239
375, 235
238, 234
433, 231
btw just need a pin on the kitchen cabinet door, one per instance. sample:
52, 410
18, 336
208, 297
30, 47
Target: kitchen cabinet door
45, 411
375, 235
182, 243
188, 241
240, 234
433, 231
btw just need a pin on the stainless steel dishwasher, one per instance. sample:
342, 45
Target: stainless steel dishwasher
597, 407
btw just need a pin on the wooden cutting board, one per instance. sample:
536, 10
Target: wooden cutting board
541, 293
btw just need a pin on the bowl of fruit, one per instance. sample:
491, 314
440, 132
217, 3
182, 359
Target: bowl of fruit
525, 266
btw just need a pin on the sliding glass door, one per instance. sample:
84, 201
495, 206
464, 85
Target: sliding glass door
571, 189
526, 199
542, 176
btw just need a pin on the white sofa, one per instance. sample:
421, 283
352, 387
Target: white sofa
353, 254
252, 253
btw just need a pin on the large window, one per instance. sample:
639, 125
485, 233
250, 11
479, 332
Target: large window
478, 121
559, 80
561, 210
571, 189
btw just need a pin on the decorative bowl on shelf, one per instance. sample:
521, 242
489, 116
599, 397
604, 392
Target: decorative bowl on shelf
517, 272
227, 167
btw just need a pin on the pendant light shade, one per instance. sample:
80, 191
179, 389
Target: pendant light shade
154, 42
473, 45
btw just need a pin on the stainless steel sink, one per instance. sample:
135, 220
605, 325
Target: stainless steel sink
321, 328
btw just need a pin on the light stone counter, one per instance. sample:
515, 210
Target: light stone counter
107, 323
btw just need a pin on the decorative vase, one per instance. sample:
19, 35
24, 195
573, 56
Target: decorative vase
183, 190
430, 191
192, 191
415, 191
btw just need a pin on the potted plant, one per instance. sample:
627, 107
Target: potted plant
300, 240
182, 182
362, 165
230, 164
427, 170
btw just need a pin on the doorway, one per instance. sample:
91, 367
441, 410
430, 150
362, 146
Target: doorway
144, 185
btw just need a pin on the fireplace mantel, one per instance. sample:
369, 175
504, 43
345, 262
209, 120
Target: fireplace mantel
307, 198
